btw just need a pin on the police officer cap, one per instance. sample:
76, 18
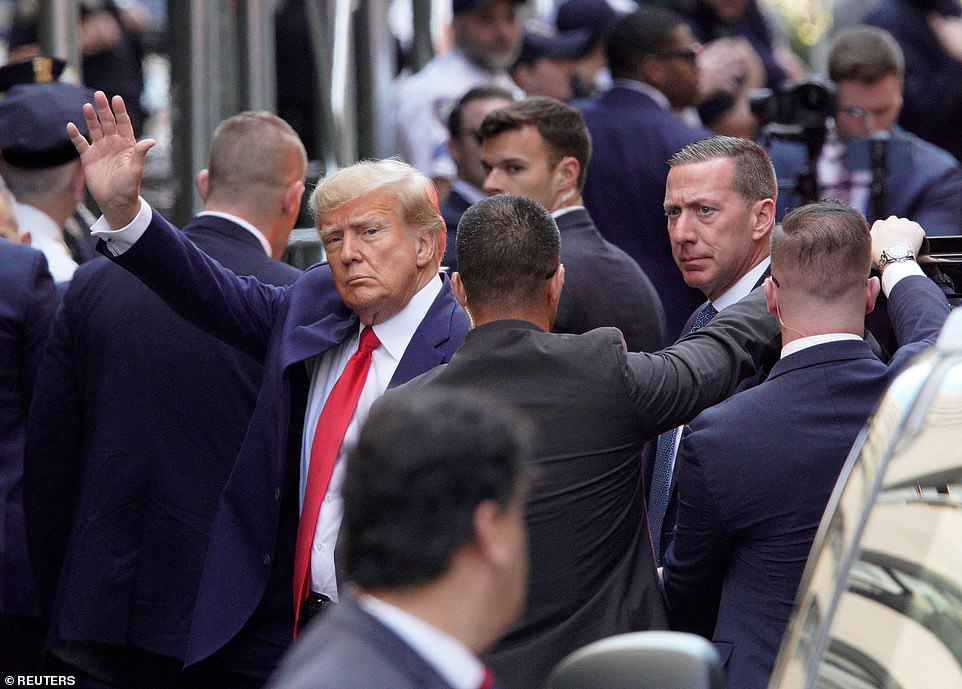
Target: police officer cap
33, 121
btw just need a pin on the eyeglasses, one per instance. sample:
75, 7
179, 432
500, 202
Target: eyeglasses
855, 111
689, 53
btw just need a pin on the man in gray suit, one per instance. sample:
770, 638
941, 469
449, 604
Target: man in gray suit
594, 404
433, 538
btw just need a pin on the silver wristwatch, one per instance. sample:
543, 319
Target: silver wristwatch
897, 253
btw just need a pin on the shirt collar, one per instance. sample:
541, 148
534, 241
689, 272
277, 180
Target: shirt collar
396, 332
743, 287
796, 346
567, 209
33, 220
641, 87
448, 656
266, 245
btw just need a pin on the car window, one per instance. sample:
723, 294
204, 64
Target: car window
880, 604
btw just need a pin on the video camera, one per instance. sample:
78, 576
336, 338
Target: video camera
798, 112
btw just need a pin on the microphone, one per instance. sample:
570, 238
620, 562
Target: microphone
878, 143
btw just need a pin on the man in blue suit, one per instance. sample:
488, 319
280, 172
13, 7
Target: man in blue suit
634, 130
434, 538
384, 238
756, 471
28, 300
917, 179
136, 422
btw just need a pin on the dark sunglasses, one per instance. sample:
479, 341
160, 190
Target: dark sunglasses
689, 53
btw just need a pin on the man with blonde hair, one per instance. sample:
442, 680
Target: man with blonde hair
376, 314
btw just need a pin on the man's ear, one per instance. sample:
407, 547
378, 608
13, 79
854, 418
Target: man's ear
771, 298
488, 534
555, 284
872, 287
457, 287
568, 171
201, 181
429, 248
764, 218
292, 198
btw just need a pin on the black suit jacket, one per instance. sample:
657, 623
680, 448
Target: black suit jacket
350, 649
591, 568
604, 286
134, 429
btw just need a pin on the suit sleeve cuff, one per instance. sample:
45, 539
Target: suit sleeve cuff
894, 273
118, 241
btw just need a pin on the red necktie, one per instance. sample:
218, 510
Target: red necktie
328, 436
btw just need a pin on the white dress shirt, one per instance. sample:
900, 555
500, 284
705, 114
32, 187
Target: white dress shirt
394, 334
266, 245
47, 237
449, 657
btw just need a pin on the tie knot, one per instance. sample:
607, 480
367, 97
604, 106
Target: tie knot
707, 312
369, 341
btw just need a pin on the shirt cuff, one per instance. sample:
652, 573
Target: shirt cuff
896, 272
118, 241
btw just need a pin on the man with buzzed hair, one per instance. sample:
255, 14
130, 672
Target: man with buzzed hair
757, 470
594, 404
136, 422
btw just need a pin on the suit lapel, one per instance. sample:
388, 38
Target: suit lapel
422, 353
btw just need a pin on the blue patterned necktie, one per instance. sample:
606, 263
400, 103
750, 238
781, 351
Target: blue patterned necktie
664, 456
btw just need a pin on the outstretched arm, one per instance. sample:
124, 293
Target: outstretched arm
113, 159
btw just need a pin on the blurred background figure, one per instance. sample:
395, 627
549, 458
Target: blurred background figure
464, 147
595, 17
487, 39
109, 37
930, 35
546, 63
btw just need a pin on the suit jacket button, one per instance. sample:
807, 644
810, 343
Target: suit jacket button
267, 558
277, 493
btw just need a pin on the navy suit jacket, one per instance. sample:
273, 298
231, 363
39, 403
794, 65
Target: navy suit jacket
933, 78
593, 404
350, 649
604, 286
756, 473
632, 139
924, 182
28, 300
245, 591
134, 428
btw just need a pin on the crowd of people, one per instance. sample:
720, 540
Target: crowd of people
568, 370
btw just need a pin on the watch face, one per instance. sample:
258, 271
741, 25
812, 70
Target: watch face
898, 251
